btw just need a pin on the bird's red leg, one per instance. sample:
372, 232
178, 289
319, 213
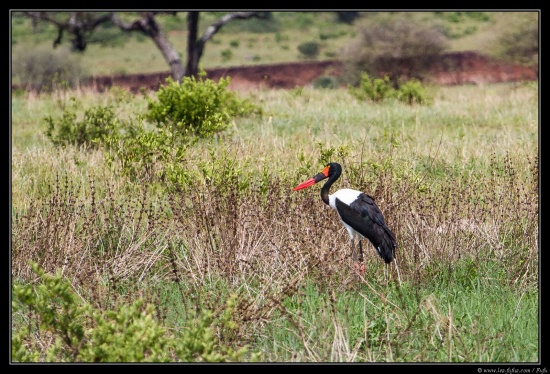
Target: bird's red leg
357, 263
359, 268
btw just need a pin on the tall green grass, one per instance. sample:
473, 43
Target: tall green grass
408, 323
457, 182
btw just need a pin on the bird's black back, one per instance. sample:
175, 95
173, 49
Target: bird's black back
364, 216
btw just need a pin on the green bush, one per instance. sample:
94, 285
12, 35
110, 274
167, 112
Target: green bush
97, 123
46, 69
182, 113
309, 49
413, 91
382, 89
197, 107
375, 89
148, 155
226, 54
77, 332
326, 81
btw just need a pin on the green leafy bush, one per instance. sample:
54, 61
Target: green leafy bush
147, 152
97, 123
226, 54
78, 332
326, 81
382, 89
148, 155
375, 89
309, 49
197, 107
413, 91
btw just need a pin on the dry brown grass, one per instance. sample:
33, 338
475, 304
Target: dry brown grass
265, 246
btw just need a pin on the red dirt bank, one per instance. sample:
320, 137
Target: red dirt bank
452, 69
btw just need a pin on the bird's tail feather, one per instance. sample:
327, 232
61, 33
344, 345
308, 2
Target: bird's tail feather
387, 245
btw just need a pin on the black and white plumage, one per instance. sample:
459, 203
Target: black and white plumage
358, 212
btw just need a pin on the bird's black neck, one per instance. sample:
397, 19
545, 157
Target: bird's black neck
334, 173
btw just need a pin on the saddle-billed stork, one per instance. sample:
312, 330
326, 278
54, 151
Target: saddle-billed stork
359, 214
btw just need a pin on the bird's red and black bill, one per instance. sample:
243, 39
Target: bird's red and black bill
311, 181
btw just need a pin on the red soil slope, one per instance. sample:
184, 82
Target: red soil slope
451, 69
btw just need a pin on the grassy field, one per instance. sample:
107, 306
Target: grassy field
457, 182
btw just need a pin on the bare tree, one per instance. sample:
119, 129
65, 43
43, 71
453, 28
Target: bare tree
195, 46
81, 26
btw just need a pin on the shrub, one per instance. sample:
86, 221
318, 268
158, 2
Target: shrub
395, 48
375, 89
520, 42
326, 81
382, 89
182, 113
97, 123
309, 49
79, 332
148, 155
197, 107
226, 54
45, 69
413, 91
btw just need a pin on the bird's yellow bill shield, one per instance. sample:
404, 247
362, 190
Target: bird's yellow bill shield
306, 184
325, 171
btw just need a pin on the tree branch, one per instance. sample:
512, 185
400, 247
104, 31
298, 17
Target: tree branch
145, 24
215, 27
74, 25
